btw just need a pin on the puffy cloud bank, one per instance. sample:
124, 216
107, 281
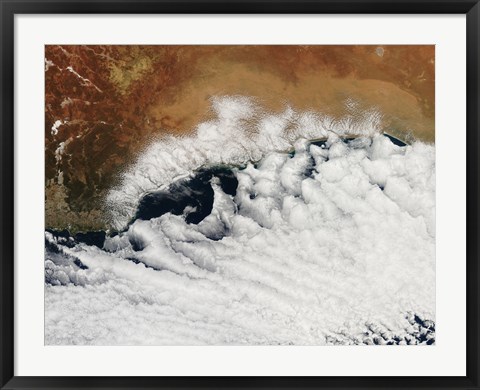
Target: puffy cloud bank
240, 133
332, 244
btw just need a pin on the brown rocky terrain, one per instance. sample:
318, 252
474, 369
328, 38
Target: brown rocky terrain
103, 104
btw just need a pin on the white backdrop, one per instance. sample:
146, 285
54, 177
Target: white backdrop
447, 32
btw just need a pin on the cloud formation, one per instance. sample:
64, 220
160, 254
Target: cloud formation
332, 244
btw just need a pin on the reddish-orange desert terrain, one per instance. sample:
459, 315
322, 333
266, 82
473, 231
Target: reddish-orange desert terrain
104, 104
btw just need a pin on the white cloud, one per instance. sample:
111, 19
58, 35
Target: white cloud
332, 245
242, 132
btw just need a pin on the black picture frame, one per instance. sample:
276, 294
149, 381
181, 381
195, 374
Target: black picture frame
9, 9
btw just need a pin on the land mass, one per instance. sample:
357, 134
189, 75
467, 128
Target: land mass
104, 104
